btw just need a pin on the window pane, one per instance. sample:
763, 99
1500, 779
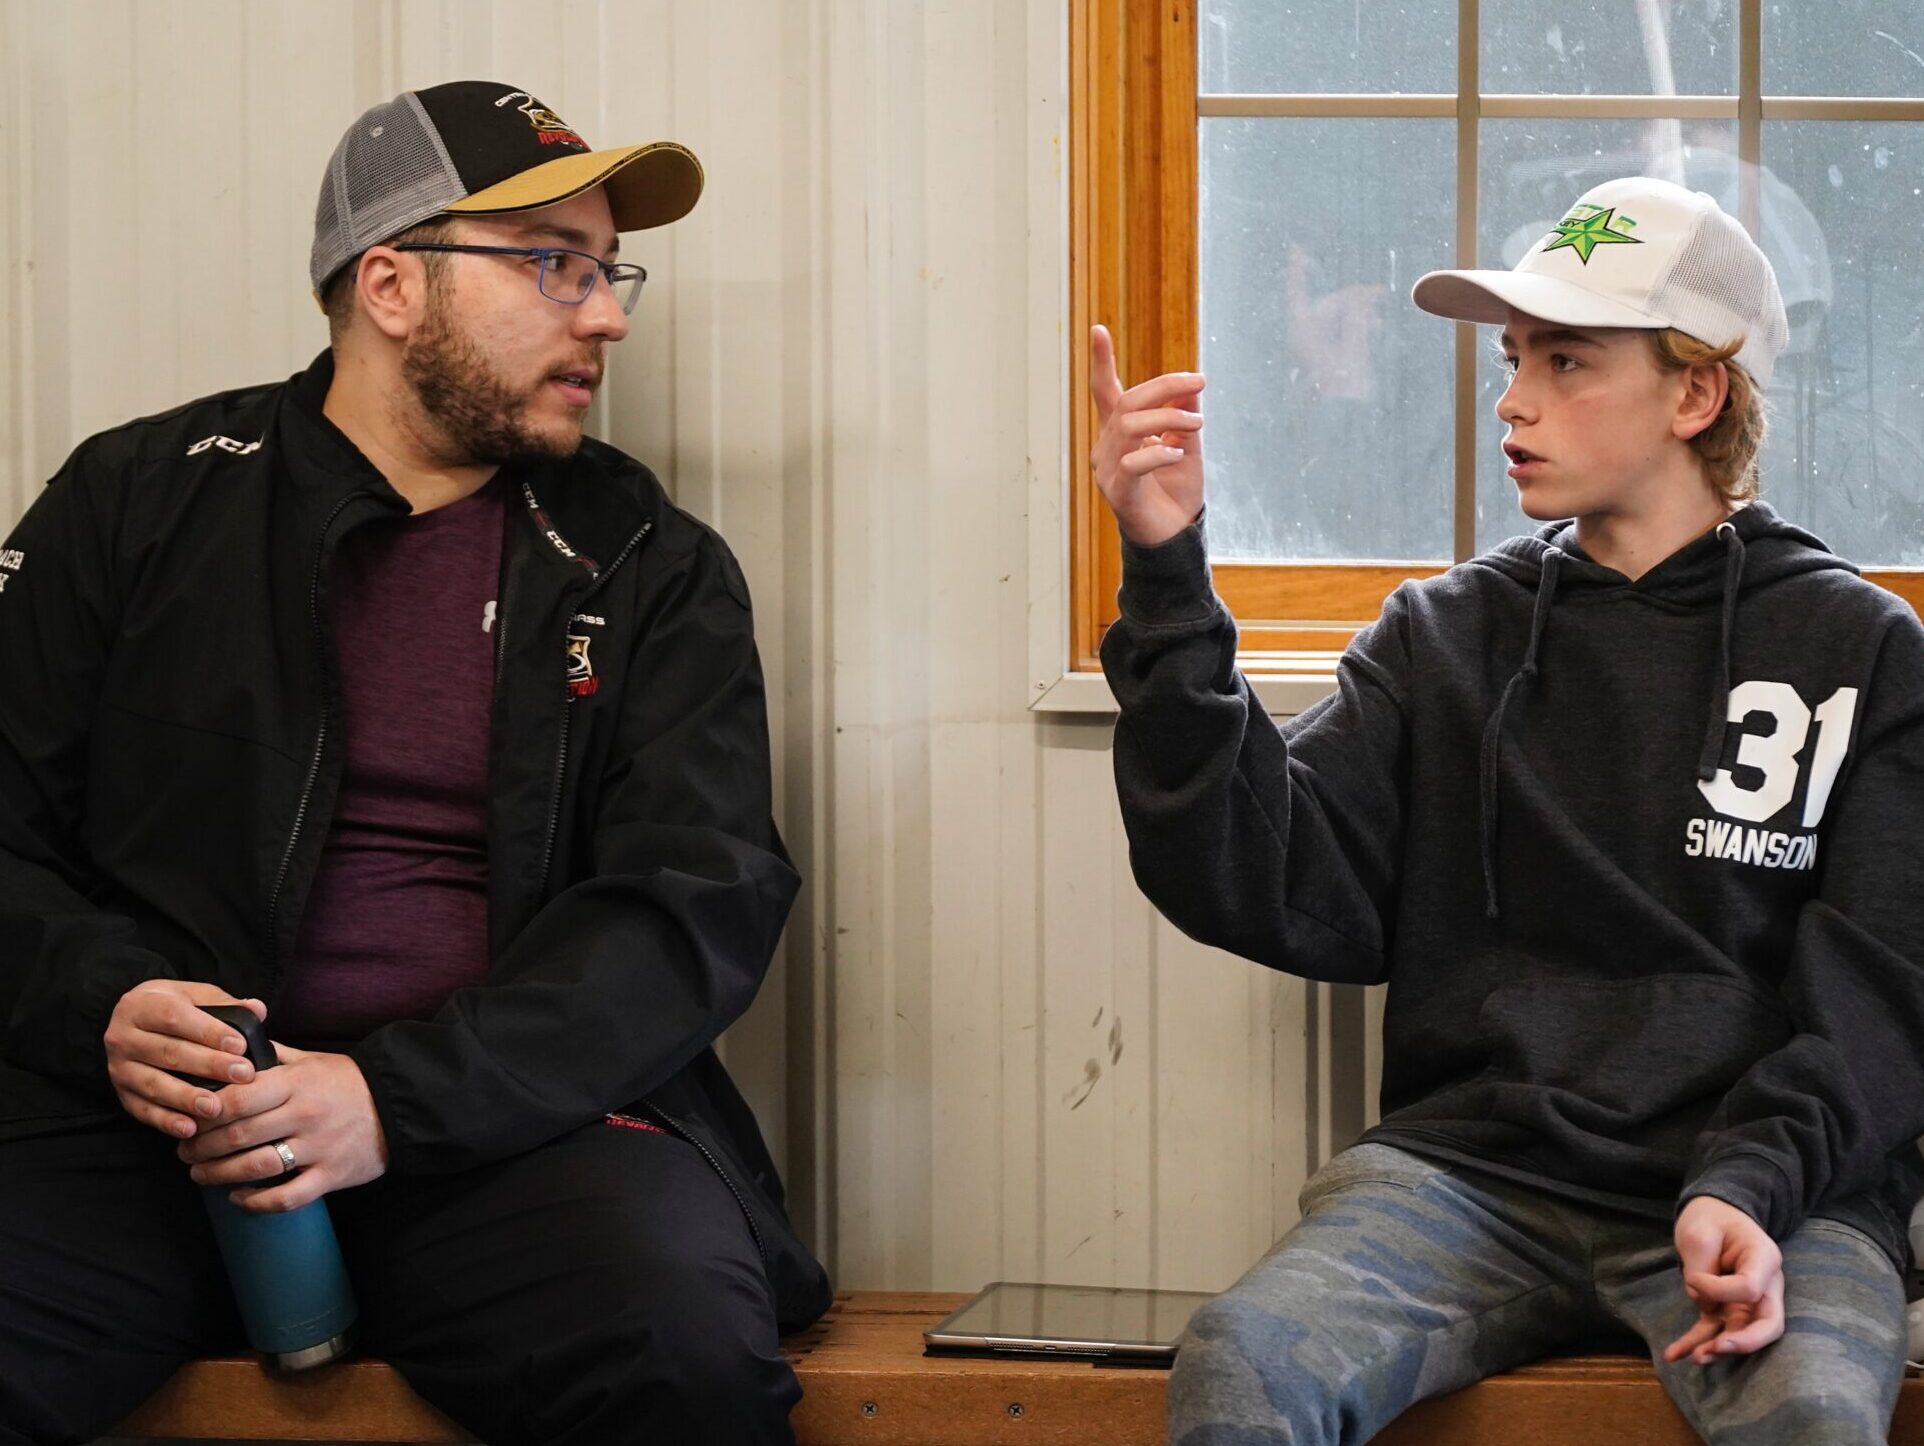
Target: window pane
1843, 213
1531, 171
1843, 47
1611, 47
1326, 46
1329, 393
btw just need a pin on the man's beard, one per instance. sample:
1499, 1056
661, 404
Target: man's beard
477, 412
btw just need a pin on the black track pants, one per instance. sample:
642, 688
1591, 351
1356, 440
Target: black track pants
602, 1288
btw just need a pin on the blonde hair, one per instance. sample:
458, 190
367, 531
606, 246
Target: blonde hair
1729, 445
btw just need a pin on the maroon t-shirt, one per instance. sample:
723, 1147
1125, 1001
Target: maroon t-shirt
398, 915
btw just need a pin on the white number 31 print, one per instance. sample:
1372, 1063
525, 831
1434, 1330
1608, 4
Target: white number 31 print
1775, 754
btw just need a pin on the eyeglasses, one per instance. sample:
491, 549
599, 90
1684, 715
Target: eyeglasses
564, 276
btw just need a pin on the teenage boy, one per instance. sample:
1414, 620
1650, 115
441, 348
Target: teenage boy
1624, 814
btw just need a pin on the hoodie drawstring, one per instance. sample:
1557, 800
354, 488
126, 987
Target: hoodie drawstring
1492, 754
1715, 732
1718, 728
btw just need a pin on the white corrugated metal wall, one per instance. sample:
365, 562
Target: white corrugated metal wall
983, 1054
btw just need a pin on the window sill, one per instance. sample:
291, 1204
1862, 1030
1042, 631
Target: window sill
1287, 683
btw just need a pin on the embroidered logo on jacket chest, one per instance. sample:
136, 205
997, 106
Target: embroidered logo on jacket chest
582, 682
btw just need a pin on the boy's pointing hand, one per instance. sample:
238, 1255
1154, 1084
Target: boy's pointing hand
1148, 454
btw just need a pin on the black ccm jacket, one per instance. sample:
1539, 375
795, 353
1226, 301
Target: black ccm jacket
170, 750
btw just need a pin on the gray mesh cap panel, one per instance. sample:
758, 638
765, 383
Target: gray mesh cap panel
389, 172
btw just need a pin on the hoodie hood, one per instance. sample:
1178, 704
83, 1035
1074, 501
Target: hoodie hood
1751, 549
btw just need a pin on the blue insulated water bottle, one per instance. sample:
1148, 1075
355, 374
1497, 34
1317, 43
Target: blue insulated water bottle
288, 1277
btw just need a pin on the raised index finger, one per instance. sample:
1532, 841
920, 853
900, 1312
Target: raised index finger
1104, 385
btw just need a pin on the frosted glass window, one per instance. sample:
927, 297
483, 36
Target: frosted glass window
1610, 47
1325, 46
1329, 431
1843, 47
1844, 229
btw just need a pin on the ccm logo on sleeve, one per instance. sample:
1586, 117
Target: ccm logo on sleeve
226, 444
12, 559
1773, 768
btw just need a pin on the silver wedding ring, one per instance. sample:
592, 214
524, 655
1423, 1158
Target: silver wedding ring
286, 1154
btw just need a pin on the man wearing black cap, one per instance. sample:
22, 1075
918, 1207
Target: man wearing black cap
384, 702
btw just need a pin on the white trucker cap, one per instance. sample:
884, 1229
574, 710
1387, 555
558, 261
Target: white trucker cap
1635, 252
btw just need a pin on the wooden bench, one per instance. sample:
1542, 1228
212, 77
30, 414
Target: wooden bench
865, 1380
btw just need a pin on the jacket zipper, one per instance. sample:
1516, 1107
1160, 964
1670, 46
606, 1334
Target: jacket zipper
680, 1132
567, 715
270, 950
500, 643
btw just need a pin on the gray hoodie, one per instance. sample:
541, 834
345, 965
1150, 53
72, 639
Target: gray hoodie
1637, 860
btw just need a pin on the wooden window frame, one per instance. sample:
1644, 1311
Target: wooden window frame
1134, 113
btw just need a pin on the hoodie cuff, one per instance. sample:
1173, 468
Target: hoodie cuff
1753, 1184
1168, 582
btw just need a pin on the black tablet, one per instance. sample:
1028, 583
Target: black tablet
1081, 1322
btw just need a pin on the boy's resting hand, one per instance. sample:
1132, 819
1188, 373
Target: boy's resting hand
1148, 454
1734, 1274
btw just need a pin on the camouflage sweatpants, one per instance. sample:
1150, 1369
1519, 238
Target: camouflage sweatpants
1408, 1278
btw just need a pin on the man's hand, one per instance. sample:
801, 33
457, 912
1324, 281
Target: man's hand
1734, 1274
158, 1026
1153, 484
319, 1106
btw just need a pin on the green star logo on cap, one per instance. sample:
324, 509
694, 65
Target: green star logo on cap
1584, 233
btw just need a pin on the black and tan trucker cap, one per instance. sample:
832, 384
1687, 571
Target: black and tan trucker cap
480, 148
